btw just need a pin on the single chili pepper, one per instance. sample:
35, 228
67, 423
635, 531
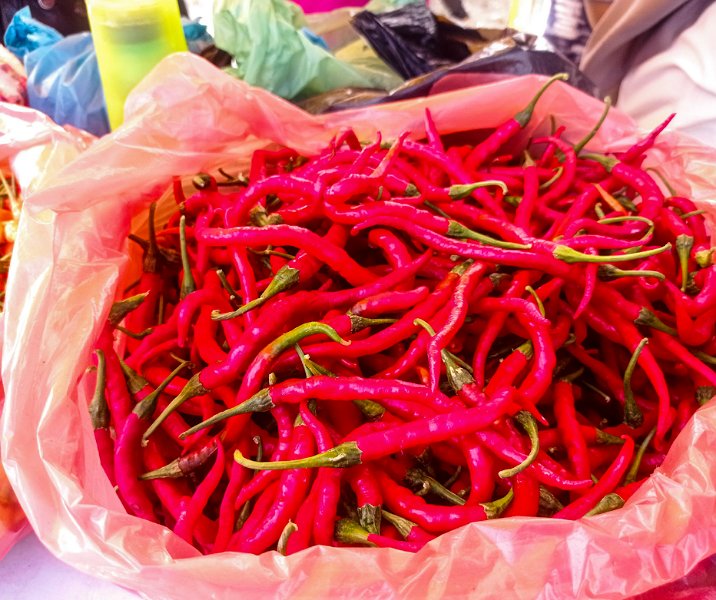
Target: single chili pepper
349, 532
285, 278
151, 282
328, 482
396, 252
117, 394
369, 498
642, 146
481, 468
340, 389
408, 530
378, 444
689, 360
526, 501
186, 523
570, 430
540, 469
389, 302
227, 513
431, 518
172, 494
289, 235
549, 438
196, 387
301, 538
99, 415
292, 490
263, 479
257, 516
184, 465
632, 415
608, 483
127, 452
499, 137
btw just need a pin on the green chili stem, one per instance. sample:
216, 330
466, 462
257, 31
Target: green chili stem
192, 389
259, 402
530, 426
495, 508
460, 191
188, 285
579, 146
537, 299
348, 531
98, 408
344, 455
684, 244
458, 230
608, 503
612, 272
570, 256
122, 308
523, 117
369, 517
633, 471
632, 414
146, 407
286, 277
649, 319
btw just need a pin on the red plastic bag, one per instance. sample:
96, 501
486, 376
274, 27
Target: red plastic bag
32, 148
188, 117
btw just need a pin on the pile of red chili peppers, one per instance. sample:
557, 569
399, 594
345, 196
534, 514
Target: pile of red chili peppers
385, 341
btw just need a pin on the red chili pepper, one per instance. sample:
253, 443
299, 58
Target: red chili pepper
99, 415
292, 489
186, 523
526, 497
378, 444
499, 137
608, 482
127, 454
569, 428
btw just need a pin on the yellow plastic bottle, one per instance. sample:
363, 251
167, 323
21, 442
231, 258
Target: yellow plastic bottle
130, 38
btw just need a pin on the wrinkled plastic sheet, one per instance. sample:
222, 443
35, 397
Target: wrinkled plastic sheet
187, 117
32, 147
433, 52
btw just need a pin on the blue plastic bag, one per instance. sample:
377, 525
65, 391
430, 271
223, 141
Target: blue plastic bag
25, 34
63, 82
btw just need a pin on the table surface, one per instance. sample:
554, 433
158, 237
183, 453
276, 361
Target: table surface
30, 571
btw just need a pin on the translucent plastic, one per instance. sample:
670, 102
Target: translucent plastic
33, 148
187, 117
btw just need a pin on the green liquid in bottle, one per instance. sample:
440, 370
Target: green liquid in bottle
130, 39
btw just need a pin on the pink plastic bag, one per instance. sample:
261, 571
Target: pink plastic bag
187, 117
32, 147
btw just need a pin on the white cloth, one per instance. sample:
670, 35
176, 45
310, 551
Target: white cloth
675, 71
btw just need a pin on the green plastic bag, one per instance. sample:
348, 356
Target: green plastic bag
271, 51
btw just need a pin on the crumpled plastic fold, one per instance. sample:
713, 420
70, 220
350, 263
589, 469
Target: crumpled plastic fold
33, 148
185, 117
271, 51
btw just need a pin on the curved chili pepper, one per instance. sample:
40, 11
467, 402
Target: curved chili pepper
292, 488
378, 444
499, 137
609, 481
100, 418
